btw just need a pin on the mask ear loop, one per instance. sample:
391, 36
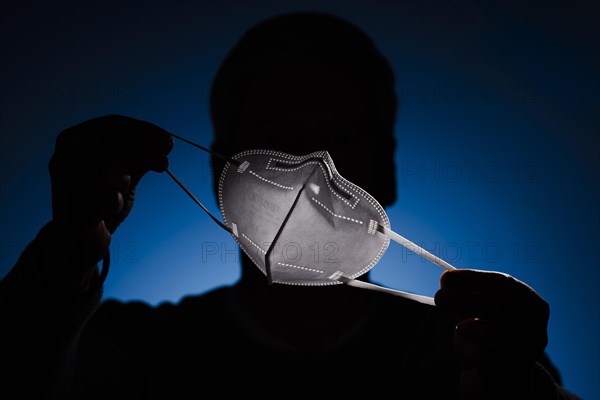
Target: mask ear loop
189, 193
414, 248
410, 246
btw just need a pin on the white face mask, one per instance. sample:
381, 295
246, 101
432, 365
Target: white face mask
298, 219
301, 223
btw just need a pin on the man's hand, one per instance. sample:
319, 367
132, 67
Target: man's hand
94, 171
501, 333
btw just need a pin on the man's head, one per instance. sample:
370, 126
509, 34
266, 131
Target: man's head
305, 82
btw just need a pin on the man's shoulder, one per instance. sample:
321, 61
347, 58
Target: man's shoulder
138, 311
209, 301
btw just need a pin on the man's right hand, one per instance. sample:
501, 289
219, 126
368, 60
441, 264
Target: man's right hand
94, 171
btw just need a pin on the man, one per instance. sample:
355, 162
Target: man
295, 83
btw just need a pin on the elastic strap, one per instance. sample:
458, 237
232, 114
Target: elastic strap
188, 192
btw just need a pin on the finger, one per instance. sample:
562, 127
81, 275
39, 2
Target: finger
477, 279
472, 342
90, 191
113, 220
481, 343
485, 281
140, 153
469, 304
497, 290
490, 334
527, 321
139, 145
102, 130
493, 305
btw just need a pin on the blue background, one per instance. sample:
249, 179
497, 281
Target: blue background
497, 141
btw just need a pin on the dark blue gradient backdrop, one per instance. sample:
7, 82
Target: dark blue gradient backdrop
497, 159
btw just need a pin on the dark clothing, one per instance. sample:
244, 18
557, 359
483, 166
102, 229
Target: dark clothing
211, 344
211, 340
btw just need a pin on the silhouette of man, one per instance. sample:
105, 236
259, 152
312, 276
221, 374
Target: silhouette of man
296, 83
